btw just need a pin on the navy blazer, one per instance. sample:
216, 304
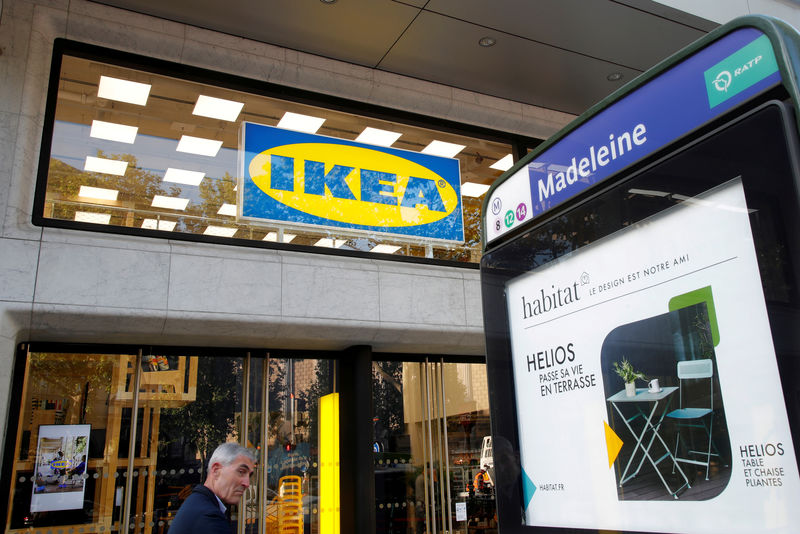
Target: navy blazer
200, 514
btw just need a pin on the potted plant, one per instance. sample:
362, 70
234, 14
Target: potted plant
628, 374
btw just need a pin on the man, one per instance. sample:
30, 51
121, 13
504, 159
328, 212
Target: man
482, 481
229, 471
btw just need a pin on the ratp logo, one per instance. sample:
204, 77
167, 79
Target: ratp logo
743, 69
723, 81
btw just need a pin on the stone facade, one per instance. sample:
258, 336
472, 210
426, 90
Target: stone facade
73, 286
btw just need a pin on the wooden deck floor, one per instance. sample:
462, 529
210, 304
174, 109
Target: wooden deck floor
646, 486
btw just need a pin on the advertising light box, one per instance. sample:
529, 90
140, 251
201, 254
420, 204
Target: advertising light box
691, 312
705, 85
641, 299
60, 477
298, 179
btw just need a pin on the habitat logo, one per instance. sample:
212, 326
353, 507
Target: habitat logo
310, 179
739, 71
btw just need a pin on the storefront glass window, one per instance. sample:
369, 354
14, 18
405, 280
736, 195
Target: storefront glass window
94, 454
71, 459
433, 463
143, 151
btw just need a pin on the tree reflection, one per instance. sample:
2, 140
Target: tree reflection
211, 418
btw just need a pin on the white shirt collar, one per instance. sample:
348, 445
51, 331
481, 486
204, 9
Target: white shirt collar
222, 507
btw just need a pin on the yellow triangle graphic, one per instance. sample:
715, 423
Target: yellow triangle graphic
613, 444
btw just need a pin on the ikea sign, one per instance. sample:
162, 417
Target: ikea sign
299, 179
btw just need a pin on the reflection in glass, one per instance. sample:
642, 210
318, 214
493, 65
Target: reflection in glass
170, 149
67, 390
147, 448
430, 421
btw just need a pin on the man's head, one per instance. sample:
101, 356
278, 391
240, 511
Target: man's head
229, 471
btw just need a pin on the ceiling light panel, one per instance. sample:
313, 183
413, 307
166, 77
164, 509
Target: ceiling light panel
375, 136
300, 123
273, 236
503, 164
217, 108
386, 249
199, 146
123, 90
440, 148
170, 203
227, 209
219, 231
330, 243
156, 224
111, 131
94, 218
98, 193
182, 176
471, 189
105, 166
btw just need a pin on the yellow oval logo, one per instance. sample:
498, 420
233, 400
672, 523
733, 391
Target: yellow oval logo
351, 184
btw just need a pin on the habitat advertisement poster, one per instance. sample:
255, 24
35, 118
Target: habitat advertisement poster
675, 305
60, 478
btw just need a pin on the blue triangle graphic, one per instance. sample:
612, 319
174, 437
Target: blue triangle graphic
528, 488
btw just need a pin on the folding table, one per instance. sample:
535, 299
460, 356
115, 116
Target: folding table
643, 396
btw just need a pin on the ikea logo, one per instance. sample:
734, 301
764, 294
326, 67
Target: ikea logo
314, 181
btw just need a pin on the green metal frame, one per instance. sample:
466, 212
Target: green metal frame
785, 41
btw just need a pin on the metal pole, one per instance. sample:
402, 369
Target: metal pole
126, 510
445, 444
242, 507
432, 473
425, 452
264, 479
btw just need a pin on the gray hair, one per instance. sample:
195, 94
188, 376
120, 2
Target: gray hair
226, 453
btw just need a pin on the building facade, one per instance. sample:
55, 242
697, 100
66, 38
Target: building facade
358, 375
79, 304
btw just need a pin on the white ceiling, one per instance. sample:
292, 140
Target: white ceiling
556, 54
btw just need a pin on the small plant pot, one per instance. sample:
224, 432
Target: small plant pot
630, 389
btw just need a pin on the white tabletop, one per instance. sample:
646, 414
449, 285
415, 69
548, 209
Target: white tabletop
643, 395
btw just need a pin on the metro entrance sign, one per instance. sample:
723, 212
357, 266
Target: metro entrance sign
659, 234
703, 86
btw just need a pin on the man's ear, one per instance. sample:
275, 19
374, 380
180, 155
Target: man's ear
215, 468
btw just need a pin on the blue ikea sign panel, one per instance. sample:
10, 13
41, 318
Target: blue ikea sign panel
705, 85
293, 178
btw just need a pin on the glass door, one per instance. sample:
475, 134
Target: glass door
431, 433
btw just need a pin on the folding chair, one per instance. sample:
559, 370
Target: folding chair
692, 416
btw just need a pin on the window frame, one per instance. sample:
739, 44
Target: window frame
65, 47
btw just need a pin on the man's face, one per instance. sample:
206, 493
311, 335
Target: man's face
228, 482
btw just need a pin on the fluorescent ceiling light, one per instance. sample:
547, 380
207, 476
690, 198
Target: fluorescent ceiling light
217, 108
199, 146
123, 90
503, 164
440, 148
273, 236
96, 218
648, 192
170, 203
471, 189
106, 166
181, 176
385, 249
227, 209
98, 193
331, 243
155, 224
111, 131
374, 136
300, 123
219, 231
